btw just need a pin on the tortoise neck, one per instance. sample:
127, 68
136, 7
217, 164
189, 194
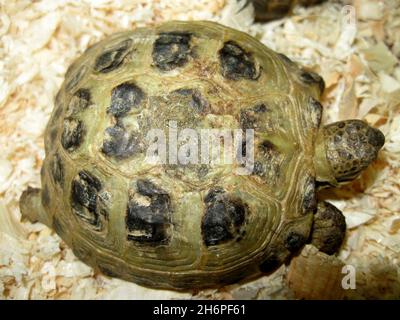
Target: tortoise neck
323, 171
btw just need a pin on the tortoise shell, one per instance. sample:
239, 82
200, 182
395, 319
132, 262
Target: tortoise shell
177, 225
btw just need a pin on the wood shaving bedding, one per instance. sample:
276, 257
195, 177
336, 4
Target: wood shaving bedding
355, 48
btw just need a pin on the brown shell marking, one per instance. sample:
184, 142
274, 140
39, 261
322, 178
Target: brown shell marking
73, 134
171, 50
236, 63
124, 97
79, 101
197, 102
85, 189
149, 223
223, 219
119, 143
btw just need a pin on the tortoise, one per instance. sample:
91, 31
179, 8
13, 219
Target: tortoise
179, 225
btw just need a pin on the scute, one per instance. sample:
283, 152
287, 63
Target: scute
84, 197
76, 77
119, 143
73, 134
149, 223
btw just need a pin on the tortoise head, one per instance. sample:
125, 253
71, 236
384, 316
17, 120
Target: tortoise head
344, 149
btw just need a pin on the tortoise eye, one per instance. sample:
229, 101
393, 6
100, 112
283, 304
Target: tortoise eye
123, 98
73, 134
79, 101
171, 50
148, 221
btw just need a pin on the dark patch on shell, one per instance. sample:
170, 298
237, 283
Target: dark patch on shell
266, 151
213, 195
258, 168
112, 58
119, 143
57, 169
45, 196
312, 78
260, 108
197, 102
316, 111
266, 146
73, 134
236, 63
149, 224
247, 120
250, 117
148, 188
124, 97
84, 197
79, 101
268, 161
223, 218
76, 78
171, 50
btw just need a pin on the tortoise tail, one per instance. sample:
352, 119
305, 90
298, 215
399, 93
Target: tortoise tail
31, 207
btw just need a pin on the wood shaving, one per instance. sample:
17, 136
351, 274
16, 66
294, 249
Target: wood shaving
355, 48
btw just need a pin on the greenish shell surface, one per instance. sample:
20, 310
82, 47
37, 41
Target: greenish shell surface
181, 226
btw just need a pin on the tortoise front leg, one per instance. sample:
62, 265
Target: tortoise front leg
31, 206
328, 229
